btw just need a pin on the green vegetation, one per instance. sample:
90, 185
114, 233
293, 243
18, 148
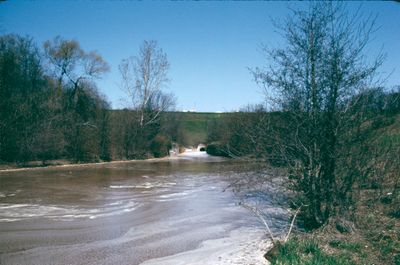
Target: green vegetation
195, 127
370, 231
308, 252
51, 108
54, 112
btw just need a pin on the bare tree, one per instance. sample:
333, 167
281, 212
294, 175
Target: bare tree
70, 63
143, 80
313, 80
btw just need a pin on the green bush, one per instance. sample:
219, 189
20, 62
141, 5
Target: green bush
216, 149
160, 146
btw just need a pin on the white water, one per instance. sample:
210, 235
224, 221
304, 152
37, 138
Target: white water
18, 212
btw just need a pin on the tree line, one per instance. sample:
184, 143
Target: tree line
51, 108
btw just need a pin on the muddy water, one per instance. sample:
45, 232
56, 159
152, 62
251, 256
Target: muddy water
165, 212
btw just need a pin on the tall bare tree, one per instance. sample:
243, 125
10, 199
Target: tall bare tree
143, 79
314, 79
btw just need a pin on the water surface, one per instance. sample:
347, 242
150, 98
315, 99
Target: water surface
163, 212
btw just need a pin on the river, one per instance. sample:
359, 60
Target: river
173, 211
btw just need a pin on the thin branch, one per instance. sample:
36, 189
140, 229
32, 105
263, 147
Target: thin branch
257, 212
292, 224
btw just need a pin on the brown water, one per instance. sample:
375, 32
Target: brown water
123, 213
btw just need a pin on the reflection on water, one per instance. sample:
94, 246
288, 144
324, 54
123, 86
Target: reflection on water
117, 213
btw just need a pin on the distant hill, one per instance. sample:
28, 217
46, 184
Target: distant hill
188, 128
193, 127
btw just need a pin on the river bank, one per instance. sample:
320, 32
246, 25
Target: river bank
37, 165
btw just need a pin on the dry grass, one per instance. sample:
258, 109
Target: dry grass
375, 238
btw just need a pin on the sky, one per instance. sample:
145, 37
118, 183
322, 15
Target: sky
210, 44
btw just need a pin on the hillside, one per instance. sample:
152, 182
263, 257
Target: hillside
194, 127
188, 129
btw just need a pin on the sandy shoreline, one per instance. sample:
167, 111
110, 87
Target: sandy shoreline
243, 246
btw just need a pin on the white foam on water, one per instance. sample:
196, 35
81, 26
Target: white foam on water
10, 206
178, 195
172, 195
26, 211
145, 185
122, 186
12, 194
8, 220
115, 203
125, 208
16, 212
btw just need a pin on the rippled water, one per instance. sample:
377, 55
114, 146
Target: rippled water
164, 212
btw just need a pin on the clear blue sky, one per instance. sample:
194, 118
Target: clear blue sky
210, 45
